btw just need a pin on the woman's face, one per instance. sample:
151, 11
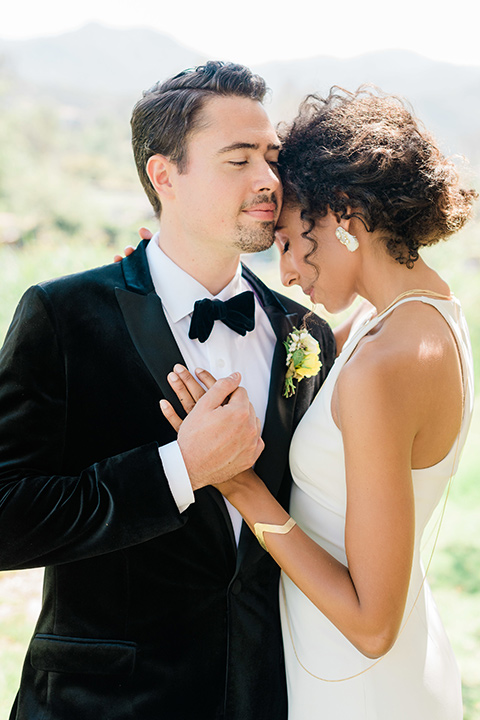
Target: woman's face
328, 275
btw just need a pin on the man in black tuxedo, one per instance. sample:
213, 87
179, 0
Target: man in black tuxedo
158, 603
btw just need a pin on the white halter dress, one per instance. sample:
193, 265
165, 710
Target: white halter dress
328, 679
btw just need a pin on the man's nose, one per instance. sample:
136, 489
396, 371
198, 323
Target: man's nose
266, 179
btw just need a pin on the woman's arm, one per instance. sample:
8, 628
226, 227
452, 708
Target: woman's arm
385, 401
365, 600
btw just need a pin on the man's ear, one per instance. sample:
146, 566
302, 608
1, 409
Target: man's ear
159, 170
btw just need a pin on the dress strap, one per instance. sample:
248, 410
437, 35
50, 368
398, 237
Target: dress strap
414, 293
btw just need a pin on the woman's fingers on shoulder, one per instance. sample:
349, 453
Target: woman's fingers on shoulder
127, 251
145, 233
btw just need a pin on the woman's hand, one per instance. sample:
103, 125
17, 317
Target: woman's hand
188, 391
220, 437
144, 233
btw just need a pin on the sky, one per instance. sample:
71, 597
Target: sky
257, 31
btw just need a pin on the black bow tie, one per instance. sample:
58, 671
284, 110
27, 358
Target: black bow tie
238, 314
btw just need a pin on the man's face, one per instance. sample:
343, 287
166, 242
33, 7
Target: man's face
229, 197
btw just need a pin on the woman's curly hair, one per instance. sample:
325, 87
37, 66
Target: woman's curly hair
367, 151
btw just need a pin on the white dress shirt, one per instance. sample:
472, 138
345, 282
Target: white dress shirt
224, 352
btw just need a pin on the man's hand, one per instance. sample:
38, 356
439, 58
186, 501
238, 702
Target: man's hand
218, 440
144, 233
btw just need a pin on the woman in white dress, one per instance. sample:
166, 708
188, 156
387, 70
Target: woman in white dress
365, 188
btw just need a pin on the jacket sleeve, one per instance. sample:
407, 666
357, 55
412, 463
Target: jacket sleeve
47, 517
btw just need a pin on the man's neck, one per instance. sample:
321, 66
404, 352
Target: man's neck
213, 271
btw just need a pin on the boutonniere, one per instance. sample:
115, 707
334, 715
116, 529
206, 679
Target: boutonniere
302, 359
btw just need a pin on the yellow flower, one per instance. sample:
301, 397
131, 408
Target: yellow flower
309, 343
310, 366
302, 359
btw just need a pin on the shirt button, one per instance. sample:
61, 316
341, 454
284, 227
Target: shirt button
220, 363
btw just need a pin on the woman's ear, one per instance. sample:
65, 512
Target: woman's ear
342, 220
159, 170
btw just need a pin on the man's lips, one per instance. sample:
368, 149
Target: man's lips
264, 211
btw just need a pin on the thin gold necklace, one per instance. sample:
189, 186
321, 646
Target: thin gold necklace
408, 293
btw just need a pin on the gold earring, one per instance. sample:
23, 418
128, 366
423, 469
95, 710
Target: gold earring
350, 241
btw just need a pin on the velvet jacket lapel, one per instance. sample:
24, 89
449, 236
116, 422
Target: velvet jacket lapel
151, 335
146, 323
280, 411
279, 417
153, 339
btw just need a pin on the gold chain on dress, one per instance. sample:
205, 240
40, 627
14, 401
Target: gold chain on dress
409, 293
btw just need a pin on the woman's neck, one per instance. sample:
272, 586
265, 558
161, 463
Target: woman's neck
383, 280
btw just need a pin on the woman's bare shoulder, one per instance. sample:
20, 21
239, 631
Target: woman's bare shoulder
412, 350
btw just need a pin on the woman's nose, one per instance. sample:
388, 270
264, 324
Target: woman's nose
288, 274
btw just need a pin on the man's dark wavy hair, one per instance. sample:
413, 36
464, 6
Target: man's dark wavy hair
169, 113
368, 152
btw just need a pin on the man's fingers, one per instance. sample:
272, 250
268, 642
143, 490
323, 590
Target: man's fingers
145, 233
207, 378
238, 397
170, 414
220, 391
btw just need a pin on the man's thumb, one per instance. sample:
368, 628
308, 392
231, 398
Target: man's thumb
218, 393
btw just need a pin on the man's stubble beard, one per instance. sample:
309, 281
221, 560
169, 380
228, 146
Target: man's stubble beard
255, 239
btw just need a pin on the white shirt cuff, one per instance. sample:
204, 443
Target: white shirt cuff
177, 475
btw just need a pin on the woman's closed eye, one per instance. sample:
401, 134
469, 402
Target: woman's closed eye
282, 244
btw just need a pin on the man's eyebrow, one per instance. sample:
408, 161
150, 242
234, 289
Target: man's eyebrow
247, 146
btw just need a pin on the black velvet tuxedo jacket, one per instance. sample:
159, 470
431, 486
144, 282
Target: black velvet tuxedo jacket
148, 614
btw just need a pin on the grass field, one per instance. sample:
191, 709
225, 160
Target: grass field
455, 570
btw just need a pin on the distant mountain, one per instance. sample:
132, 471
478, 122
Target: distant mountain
446, 97
97, 59
103, 65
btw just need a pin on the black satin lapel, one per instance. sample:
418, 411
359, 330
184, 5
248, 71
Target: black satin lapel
152, 337
281, 321
277, 432
278, 425
136, 271
150, 333
154, 342
219, 500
